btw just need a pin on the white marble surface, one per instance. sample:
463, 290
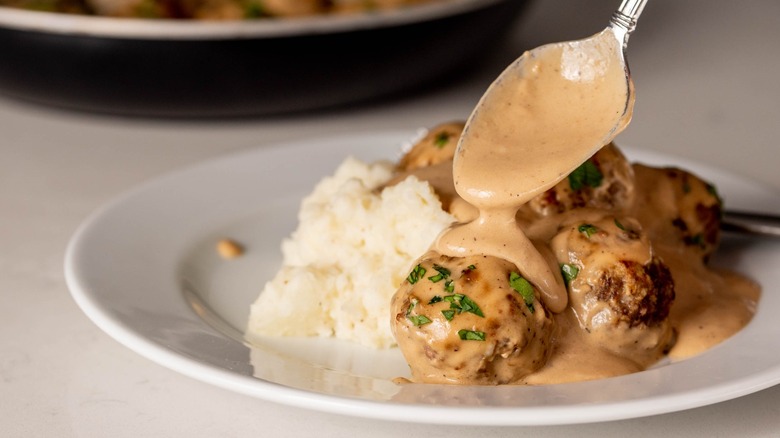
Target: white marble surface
706, 80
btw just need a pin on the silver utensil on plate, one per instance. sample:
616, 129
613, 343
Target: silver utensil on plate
750, 223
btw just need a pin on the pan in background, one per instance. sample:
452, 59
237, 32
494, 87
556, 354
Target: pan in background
205, 69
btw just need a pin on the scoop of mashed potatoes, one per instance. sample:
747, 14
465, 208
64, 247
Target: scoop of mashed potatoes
353, 247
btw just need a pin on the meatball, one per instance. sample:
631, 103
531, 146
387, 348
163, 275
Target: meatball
213, 9
131, 8
620, 292
437, 146
63, 6
430, 160
470, 320
292, 8
678, 206
353, 6
606, 180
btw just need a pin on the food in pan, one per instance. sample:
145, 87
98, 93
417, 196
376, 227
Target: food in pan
211, 9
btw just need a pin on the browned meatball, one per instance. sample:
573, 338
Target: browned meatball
213, 9
619, 290
292, 8
678, 206
471, 320
131, 8
606, 181
64, 6
437, 146
354, 6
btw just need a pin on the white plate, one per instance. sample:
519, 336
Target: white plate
144, 269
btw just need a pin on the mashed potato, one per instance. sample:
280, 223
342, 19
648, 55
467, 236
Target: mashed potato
353, 247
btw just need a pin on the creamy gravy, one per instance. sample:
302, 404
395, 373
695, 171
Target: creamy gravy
539, 121
544, 116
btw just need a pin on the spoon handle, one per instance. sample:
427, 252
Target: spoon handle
756, 224
624, 20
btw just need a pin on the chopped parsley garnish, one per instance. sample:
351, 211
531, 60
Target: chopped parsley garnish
253, 10
471, 335
586, 175
461, 303
416, 274
449, 314
619, 225
695, 240
569, 273
468, 269
449, 287
442, 274
412, 303
435, 299
417, 320
442, 139
524, 288
588, 230
712, 190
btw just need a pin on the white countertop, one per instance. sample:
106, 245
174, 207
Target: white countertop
705, 77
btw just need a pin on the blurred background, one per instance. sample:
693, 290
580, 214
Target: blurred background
706, 81
704, 74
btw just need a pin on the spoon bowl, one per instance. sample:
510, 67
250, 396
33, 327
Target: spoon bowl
547, 113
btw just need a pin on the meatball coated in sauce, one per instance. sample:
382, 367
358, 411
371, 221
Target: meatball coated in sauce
632, 243
680, 207
465, 321
430, 159
619, 290
606, 181
437, 146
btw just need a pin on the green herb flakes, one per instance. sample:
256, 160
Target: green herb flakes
253, 9
587, 175
442, 139
471, 335
435, 299
588, 230
524, 288
712, 190
461, 303
442, 274
417, 320
569, 273
416, 274
449, 314
449, 286
695, 240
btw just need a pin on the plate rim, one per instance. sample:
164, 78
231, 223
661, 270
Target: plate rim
417, 413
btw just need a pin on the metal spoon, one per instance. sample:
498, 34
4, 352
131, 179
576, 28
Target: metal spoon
754, 224
623, 21
622, 24
579, 95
